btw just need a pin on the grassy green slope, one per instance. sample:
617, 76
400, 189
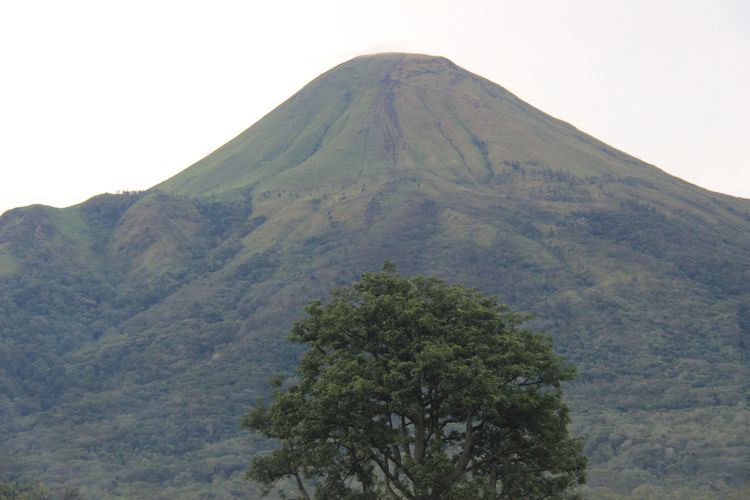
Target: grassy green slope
396, 115
142, 326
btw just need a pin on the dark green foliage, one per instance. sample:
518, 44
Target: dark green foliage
647, 230
19, 491
413, 388
36, 491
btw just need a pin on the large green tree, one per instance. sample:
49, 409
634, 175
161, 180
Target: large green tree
414, 388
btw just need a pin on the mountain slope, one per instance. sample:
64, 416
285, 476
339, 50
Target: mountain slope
409, 115
138, 328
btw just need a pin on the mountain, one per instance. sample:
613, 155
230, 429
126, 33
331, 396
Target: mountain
138, 328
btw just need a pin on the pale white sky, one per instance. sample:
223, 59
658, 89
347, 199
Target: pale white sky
100, 96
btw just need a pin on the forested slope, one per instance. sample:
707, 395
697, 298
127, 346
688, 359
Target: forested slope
137, 329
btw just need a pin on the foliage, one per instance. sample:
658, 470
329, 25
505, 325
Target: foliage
36, 491
18, 491
413, 388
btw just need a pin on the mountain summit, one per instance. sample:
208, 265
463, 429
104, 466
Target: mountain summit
137, 329
383, 116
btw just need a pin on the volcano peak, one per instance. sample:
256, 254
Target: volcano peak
381, 116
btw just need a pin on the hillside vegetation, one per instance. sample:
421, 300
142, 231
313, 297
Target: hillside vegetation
137, 329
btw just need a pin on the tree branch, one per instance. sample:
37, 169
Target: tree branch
393, 478
405, 434
465, 456
301, 487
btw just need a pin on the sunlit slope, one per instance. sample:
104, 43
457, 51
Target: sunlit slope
136, 329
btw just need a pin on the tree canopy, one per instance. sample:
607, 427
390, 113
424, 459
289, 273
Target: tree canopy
415, 388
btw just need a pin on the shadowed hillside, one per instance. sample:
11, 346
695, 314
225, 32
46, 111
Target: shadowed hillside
136, 329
